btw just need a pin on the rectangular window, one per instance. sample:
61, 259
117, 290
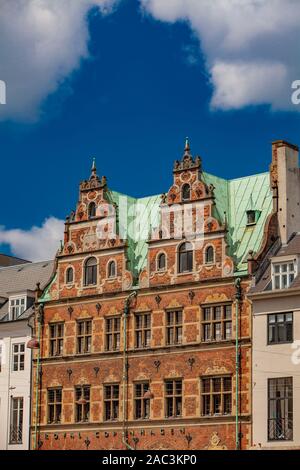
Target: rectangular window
280, 328
56, 339
283, 275
173, 394
84, 336
217, 322
17, 307
216, 395
113, 326
16, 421
280, 403
82, 403
54, 405
174, 327
111, 402
18, 357
142, 330
141, 403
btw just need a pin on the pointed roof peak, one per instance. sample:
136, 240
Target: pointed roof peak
94, 169
187, 145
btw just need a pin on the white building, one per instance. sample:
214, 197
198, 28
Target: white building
17, 294
275, 298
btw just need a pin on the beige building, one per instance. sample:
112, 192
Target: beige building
275, 297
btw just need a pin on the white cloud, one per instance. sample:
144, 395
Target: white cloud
251, 46
36, 244
242, 84
41, 43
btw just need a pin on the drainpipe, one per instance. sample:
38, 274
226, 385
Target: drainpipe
238, 297
125, 367
31, 388
37, 377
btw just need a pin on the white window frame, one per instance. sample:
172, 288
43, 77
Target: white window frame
19, 309
19, 420
18, 355
282, 274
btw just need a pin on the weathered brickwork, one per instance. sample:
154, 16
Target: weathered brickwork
160, 290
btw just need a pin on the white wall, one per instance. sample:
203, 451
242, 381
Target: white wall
14, 384
273, 361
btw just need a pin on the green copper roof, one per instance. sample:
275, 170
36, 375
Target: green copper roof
233, 197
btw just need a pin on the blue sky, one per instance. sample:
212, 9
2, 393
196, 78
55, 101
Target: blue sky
144, 87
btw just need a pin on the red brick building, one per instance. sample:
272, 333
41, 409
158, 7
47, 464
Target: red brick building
139, 345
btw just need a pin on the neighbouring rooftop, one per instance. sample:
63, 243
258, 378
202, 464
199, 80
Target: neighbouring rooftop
6, 260
22, 278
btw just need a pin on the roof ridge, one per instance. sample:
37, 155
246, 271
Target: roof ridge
31, 263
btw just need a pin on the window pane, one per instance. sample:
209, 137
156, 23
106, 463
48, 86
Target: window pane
217, 385
169, 388
228, 330
178, 387
179, 317
227, 384
206, 312
289, 332
206, 385
228, 311
116, 391
272, 338
216, 404
284, 281
206, 404
217, 331
227, 404
179, 335
207, 332
217, 313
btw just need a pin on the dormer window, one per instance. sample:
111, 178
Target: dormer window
186, 192
209, 255
283, 274
69, 276
185, 258
252, 216
17, 306
111, 269
92, 210
161, 262
90, 272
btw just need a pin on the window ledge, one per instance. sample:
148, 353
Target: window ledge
279, 343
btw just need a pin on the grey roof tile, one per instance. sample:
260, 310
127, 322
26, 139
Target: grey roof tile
21, 278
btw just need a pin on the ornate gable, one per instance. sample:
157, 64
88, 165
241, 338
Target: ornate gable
187, 175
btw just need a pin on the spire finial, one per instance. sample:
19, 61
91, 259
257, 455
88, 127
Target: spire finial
94, 169
187, 145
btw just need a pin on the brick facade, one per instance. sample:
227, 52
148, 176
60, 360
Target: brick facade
193, 359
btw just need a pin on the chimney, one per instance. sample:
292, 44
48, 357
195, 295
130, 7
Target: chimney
285, 183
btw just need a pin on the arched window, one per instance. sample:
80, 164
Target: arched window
185, 258
209, 255
69, 275
111, 269
92, 210
90, 272
186, 192
161, 262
